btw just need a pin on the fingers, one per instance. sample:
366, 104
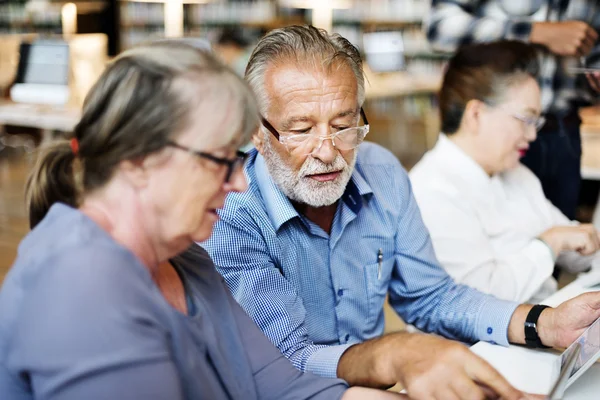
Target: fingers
591, 300
447, 394
593, 240
465, 388
582, 38
585, 239
586, 45
594, 81
574, 316
591, 36
534, 397
483, 373
489, 393
587, 40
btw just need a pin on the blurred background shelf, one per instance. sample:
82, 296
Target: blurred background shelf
402, 104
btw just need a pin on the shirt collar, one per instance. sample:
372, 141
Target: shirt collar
461, 163
279, 207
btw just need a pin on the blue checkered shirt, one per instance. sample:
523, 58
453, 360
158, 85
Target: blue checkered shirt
452, 23
314, 294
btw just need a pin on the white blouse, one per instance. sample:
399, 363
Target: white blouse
484, 228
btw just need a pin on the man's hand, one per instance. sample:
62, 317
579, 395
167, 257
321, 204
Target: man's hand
594, 80
428, 367
567, 38
559, 327
360, 393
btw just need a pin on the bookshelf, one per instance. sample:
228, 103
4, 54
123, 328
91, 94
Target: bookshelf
402, 104
45, 18
17, 17
143, 20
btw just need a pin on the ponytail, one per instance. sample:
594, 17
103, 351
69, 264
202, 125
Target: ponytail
52, 180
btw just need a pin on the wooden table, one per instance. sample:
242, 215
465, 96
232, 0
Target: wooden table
46, 118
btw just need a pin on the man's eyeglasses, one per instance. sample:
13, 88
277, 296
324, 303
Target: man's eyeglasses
232, 165
307, 143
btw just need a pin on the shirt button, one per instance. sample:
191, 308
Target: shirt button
347, 338
341, 292
490, 330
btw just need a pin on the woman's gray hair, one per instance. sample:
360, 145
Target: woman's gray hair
145, 98
301, 45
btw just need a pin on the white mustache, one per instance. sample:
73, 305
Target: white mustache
313, 166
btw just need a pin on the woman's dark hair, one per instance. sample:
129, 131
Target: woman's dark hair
143, 99
483, 72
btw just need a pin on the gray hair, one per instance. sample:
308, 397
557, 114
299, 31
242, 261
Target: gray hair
301, 44
146, 97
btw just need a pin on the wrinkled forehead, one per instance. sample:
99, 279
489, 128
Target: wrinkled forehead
296, 88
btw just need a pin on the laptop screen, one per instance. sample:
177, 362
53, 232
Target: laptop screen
44, 62
566, 371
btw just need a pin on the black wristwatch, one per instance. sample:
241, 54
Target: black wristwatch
532, 339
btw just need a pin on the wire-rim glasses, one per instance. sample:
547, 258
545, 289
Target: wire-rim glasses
346, 139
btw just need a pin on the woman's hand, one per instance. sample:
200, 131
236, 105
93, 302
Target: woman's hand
582, 238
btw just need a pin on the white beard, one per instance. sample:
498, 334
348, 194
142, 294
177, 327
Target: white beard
297, 187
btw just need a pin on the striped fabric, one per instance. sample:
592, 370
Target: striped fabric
452, 23
314, 294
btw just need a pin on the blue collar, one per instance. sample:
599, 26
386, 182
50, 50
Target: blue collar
280, 208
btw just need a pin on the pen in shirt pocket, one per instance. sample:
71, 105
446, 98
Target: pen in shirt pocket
379, 262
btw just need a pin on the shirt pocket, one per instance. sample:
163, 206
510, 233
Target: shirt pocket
377, 279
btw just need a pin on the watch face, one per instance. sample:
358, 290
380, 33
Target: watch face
531, 325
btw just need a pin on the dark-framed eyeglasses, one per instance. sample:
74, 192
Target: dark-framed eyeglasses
345, 139
233, 165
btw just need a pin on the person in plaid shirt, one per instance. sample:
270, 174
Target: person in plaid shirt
565, 31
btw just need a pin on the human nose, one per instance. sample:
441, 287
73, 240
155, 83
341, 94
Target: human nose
531, 133
237, 182
326, 151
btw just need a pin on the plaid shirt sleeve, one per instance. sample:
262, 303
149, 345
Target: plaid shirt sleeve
453, 23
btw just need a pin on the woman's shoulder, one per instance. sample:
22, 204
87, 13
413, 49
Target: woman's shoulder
429, 177
524, 178
67, 263
196, 263
196, 255
98, 276
86, 309
68, 243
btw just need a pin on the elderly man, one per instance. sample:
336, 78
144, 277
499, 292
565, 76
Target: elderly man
329, 227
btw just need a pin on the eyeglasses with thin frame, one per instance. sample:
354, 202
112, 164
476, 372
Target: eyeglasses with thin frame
346, 139
232, 165
536, 122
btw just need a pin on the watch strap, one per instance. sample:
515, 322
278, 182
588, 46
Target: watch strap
532, 338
